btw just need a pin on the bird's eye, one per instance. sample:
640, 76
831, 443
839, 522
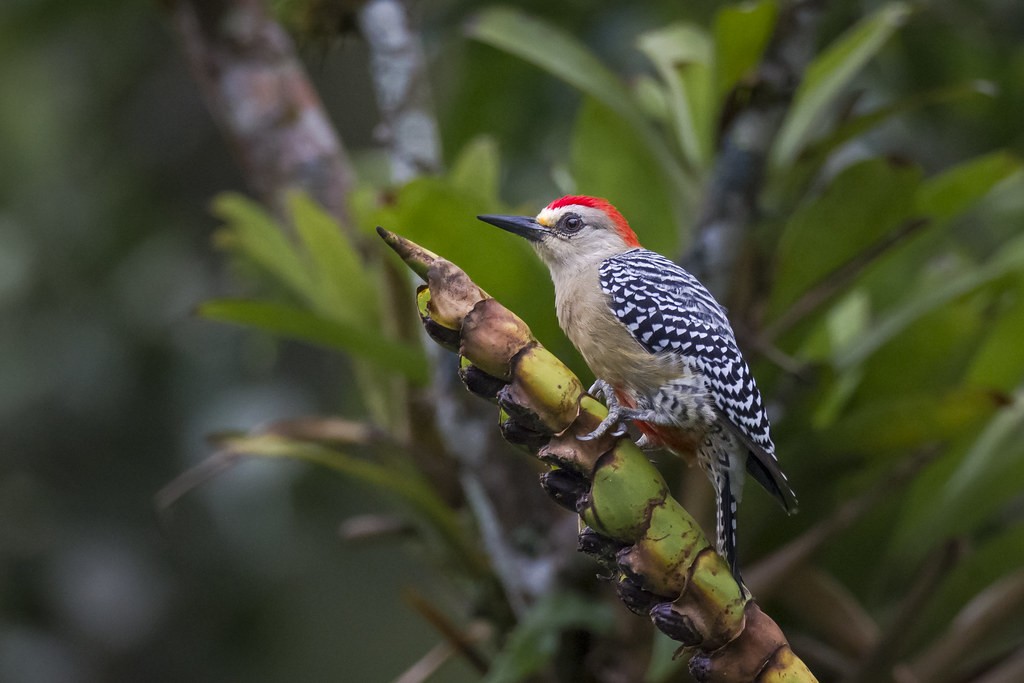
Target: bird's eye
572, 223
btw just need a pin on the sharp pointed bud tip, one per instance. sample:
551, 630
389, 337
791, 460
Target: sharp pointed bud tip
416, 257
386, 235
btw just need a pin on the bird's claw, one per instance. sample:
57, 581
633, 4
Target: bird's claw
601, 389
644, 443
614, 418
603, 428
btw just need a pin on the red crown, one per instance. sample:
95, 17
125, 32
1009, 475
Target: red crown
621, 224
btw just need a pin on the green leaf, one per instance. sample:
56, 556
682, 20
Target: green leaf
477, 169
1007, 262
683, 55
846, 320
564, 57
741, 35
990, 448
253, 233
862, 123
535, 640
961, 492
876, 428
297, 323
956, 189
992, 559
433, 213
652, 97
629, 175
343, 289
406, 484
556, 52
930, 355
864, 203
998, 362
664, 665
817, 153
829, 74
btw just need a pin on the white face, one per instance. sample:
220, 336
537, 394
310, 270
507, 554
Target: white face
577, 236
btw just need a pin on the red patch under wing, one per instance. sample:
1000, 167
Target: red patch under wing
682, 443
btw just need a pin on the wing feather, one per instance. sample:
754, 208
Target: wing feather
668, 310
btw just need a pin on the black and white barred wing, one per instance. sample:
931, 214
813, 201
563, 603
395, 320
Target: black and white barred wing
668, 310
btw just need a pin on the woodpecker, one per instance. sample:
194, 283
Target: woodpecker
661, 348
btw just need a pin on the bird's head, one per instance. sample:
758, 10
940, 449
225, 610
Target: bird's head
572, 231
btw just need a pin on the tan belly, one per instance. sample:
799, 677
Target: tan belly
606, 345
615, 356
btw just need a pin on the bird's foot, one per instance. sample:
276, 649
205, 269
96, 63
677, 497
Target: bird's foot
613, 420
616, 413
602, 390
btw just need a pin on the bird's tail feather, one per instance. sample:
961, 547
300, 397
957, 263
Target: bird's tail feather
726, 521
763, 467
766, 472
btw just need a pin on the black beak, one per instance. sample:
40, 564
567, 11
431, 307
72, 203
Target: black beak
524, 226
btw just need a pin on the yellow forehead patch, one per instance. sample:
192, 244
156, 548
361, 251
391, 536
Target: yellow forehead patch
546, 218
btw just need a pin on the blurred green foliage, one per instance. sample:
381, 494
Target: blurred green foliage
536, 640
905, 310
890, 223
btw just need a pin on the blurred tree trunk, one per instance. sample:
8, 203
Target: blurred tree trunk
261, 97
528, 552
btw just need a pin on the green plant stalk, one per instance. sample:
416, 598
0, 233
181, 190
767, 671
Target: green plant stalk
665, 566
